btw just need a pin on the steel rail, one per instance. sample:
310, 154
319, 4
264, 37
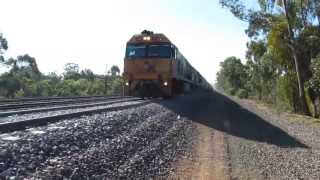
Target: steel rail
21, 125
26, 99
45, 109
34, 104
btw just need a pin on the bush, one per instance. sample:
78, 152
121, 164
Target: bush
21, 84
232, 91
242, 93
287, 93
19, 93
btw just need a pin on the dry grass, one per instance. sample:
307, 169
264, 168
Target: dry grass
289, 116
297, 118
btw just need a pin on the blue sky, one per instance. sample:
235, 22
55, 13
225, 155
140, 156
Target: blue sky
93, 33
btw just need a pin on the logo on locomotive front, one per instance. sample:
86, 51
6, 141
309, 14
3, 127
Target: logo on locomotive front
149, 67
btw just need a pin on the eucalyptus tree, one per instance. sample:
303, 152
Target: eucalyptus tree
314, 84
115, 70
289, 29
71, 71
232, 76
3, 47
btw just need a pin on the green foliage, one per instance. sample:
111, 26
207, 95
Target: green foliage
286, 93
116, 85
314, 82
3, 43
97, 87
3, 47
87, 74
19, 93
71, 71
278, 44
28, 63
9, 85
45, 88
242, 93
284, 41
232, 91
232, 75
115, 70
236, 7
27, 83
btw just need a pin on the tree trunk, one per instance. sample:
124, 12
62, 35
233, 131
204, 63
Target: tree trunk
318, 14
316, 106
302, 98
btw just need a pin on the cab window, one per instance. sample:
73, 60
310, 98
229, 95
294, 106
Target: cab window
136, 51
159, 51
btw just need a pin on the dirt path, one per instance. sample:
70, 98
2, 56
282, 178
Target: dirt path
209, 161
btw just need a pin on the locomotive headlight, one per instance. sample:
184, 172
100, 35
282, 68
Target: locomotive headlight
147, 38
127, 83
165, 83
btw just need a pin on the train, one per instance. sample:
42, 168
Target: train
154, 67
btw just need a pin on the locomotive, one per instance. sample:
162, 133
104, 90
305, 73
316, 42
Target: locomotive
154, 67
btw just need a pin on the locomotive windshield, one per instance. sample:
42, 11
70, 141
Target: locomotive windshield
163, 51
150, 51
136, 51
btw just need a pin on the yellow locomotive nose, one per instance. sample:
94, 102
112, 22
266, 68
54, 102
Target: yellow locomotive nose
148, 77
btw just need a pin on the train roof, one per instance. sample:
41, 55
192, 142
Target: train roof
148, 37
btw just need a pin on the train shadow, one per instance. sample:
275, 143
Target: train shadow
221, 113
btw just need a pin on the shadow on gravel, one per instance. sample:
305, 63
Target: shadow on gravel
221, 113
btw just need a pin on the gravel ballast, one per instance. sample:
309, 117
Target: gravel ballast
293, 154
137, 143
144, 142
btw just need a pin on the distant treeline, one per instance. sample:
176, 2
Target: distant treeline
282, 64
24, 79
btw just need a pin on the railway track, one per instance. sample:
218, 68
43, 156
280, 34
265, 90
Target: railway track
26, 111
31, 104
97, 108
16, 100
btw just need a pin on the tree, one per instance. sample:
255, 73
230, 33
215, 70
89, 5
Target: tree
87, 74
27, 61
292, 45
9, 85
53, 77
71, 67
254, 54
285, 22
3, 47
25, 79
232, 76
71, 71
314, 84
24, 63
115, 70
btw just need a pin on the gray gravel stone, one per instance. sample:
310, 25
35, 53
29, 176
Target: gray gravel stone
267, 160
134, 143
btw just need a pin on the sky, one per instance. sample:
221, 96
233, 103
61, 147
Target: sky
94, 33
